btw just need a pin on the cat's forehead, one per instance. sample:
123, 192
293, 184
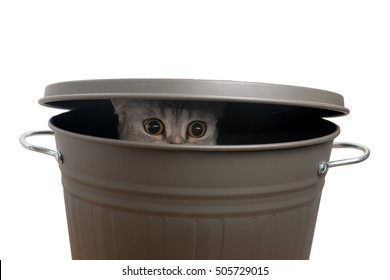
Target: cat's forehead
172, 112
171, 107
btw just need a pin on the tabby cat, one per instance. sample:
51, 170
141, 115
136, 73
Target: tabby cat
170, 122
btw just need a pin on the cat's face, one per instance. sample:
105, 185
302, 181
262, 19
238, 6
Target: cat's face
171, 122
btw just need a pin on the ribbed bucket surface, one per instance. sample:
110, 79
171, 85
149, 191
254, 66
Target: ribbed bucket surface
127, 200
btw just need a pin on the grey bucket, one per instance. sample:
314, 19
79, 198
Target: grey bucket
251, 197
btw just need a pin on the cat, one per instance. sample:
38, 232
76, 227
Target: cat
170, 122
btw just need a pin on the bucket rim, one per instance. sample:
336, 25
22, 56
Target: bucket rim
200, 148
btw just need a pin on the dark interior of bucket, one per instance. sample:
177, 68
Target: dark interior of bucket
242, 123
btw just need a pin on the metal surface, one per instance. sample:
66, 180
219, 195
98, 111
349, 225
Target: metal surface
324, 166
23, 140
127, 200
131, 200
73, 94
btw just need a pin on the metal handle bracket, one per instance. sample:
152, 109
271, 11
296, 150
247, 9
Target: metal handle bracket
23, 140
325, 165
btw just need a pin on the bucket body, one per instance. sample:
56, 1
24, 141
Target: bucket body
254, 195
136, 201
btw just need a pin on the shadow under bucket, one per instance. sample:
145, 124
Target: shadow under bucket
254, 196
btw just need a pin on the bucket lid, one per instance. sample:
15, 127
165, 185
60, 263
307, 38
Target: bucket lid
77, 94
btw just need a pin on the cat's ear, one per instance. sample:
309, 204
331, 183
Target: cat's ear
120, 106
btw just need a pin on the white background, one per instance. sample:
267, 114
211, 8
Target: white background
341, 46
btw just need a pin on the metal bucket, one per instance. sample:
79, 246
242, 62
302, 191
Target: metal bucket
257, 199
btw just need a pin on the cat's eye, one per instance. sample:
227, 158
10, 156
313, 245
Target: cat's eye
197, 129
154, 126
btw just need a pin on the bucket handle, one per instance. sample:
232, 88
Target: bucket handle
23, 140
325, 165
